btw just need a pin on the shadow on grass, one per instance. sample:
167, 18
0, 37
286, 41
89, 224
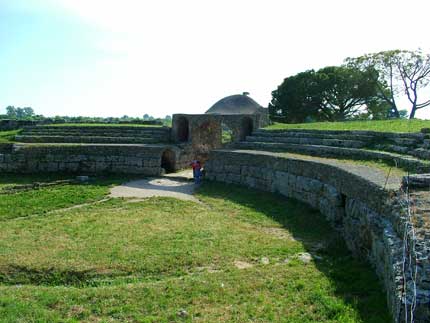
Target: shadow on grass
353, 280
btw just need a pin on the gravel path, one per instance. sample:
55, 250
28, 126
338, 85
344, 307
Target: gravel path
175, 185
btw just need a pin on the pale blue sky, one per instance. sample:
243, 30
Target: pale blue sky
110, 58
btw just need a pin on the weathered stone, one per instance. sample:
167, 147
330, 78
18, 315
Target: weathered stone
417, 180
304, 257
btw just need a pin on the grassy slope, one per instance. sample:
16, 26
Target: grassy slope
144, 262
376, 125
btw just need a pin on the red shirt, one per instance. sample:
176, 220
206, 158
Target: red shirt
195, 165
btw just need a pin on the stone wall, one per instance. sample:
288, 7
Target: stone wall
361, 203
90, 159
6, 124
204, 131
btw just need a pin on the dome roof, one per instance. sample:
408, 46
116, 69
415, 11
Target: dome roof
235, 104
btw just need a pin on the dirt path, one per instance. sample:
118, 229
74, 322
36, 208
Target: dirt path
177, 185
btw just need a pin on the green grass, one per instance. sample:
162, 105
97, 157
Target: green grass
46, 199
118, 261
226, 136
8, 136
375, 125
102, 125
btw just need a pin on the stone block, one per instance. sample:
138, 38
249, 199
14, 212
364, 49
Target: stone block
233, 169
332, 195
151, 162
308, 184
233, 178
221, 177
133, 161
249, 181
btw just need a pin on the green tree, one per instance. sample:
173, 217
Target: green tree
11, 112
344, 91
385, 76
19, 113
295, 99
332, 93
28, 112
414, 71
402, 72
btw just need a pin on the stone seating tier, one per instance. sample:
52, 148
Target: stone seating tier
408, 162
90, 139
309, 141
408, 146
95, 134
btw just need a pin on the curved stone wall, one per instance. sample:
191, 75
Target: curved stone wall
360, 202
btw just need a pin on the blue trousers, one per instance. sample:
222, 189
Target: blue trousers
197, 176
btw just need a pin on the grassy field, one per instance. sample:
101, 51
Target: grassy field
46, 199
231, 258
374, 125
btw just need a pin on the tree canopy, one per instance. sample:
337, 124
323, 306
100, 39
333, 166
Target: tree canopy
402, 72
332, 93
19, 113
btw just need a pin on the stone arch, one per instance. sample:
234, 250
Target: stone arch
246, 127
183, 129
168, 161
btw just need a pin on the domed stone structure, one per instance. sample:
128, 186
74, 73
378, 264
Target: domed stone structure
236, 104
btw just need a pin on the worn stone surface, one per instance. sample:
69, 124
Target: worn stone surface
166, 187
417, 180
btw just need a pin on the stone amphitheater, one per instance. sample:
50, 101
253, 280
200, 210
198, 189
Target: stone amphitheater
383, 216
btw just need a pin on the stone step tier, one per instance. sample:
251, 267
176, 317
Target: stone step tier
361, 133
312, 134
308, 141
416, 145
409, 162
90, 139
96, 130
95, 134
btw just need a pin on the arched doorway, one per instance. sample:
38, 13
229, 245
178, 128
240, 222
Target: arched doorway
168, 161
183, 129
247, 126
226, 134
